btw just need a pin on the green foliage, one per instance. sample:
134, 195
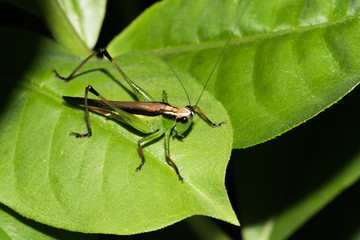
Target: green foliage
286, 62
94, 180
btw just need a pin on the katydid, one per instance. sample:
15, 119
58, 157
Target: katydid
147, 116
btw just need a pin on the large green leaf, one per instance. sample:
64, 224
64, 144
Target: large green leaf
75, 24
15, 227
287, 61
91, 185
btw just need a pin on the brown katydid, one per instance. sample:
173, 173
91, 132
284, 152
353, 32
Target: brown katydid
146, 115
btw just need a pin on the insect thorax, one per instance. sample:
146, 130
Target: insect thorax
183, 120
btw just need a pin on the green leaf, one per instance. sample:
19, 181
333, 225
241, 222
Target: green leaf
86, 17
90, 185
75, 24
13, 227
286, 62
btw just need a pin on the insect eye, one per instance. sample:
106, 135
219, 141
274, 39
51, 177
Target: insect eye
183, 120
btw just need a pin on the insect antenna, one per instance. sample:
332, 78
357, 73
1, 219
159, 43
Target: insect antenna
178, 78
212, 71
222, 52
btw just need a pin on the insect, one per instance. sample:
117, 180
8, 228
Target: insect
146, 115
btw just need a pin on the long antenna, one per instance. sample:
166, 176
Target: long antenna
222, 52
172, 69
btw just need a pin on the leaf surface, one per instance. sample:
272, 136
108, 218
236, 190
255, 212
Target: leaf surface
15, 227
286, 62
90, 185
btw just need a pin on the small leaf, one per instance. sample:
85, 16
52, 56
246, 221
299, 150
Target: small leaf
86, 17
90, 185
75, 24
286, 62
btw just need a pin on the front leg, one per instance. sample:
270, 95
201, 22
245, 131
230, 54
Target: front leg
167, 152
208, 120
89, 133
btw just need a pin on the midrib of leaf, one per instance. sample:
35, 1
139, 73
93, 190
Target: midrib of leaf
42, 92
240, 39
148, 151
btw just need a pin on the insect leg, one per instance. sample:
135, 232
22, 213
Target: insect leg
89, 133
167, 152
148, 138
208, 120
140, 93
165, 98
66, 79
